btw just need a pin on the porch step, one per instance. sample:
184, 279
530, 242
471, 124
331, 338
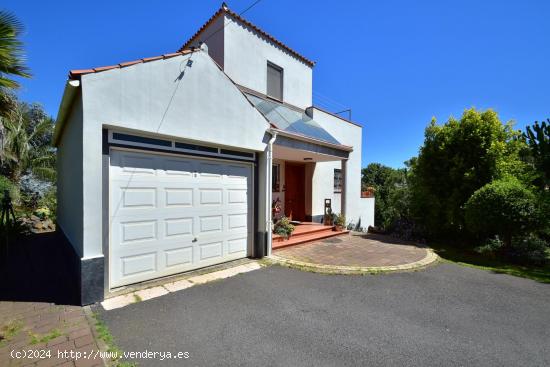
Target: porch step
304, 230
307, 237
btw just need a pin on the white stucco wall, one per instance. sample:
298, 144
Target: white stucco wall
366, 206
70, 179
213, 36
245, 60
204, 106
323, 177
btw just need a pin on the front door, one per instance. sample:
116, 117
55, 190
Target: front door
295, 204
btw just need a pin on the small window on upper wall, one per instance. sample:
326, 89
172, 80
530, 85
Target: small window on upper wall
337, 180
274, 81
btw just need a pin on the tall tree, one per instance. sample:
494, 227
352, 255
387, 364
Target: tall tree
456, 159
26, 144
538, 139
11, 58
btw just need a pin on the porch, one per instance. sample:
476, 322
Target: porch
306, 232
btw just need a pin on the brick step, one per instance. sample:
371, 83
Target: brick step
304, 232
307, 238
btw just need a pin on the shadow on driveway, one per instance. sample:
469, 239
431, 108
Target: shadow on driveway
37, 268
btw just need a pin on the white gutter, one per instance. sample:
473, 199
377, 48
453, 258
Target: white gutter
269, 194
65, 107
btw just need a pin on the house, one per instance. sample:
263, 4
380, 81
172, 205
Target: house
171, 163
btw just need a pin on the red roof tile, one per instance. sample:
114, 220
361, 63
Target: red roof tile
225, 10
77, 73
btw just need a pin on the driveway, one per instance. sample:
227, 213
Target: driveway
446, 315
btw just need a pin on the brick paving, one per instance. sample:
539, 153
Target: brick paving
45, 327
360, 250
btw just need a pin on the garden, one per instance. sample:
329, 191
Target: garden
27, 157
478, 193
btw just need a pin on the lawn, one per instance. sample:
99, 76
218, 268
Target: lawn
473, 259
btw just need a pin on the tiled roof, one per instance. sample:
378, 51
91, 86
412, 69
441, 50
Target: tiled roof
225, 10
77, 73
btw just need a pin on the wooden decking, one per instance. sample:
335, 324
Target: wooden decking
306, 232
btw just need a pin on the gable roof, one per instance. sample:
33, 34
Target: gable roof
77, 73
225, 10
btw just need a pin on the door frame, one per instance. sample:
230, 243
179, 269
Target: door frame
108, 148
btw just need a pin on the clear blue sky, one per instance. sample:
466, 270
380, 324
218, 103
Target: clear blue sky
395, 63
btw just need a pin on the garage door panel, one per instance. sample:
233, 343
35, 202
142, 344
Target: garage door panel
177, 218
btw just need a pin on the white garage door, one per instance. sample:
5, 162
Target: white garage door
172, 214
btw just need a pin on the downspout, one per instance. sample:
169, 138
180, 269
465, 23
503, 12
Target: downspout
269, 194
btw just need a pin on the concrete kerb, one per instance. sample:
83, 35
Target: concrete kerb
430, 258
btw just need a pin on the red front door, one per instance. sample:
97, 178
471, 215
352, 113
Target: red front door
295, 204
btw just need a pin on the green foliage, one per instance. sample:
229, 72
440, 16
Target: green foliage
283, 227
6, 184
503, 207
11, 57
456, 159
27, 133
340, 220
49, 201
390, 191
538, 139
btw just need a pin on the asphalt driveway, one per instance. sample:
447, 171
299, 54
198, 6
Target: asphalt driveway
446, 315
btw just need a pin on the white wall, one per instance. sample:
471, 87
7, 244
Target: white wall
69, 181
347, 134
245, 61
213, 36
366, 212
204, 106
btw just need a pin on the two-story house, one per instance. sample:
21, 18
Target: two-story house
172, 163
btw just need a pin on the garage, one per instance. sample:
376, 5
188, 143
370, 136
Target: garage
172, 213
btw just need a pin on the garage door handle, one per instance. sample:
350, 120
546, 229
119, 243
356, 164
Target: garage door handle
195, 239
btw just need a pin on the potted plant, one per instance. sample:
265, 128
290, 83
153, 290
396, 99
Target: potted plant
283, 227
339, 222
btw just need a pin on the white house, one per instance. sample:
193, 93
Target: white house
171, 163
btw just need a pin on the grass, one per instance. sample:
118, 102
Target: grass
137, 298
473, 259
37, 338
105, 335
9, 331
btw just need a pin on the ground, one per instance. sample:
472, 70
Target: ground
357, 250
444, 315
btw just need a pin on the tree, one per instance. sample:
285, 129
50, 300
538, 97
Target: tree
503, 207
391, 192
26, 143
456, 159
538, 139
11, 58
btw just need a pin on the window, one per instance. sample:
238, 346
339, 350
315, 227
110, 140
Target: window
274, 81
337, 180
276, 178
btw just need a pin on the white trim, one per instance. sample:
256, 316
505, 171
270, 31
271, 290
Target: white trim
173, 147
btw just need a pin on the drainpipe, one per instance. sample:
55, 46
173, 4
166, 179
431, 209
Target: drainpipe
269, 194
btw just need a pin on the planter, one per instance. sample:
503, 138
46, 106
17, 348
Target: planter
338, 228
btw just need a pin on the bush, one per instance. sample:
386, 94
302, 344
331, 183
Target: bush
530, 249
491, 247
6, 184
283, 227
49, 201
503, 207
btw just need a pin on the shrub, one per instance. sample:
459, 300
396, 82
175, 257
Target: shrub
6, 184
49, 201
340, 220
283, 227
503, 207
490, 247
530, 249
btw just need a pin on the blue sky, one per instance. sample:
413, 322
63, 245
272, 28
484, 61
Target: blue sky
395, 63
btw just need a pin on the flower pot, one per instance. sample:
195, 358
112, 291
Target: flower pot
339, 228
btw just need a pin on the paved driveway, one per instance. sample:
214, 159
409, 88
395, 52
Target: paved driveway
446, 315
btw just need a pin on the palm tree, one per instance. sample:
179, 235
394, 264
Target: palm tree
11, 58
26, 144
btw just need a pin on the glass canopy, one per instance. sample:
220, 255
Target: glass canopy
288, 119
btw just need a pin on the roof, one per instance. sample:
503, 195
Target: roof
291, 120
225, 10
77, 73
